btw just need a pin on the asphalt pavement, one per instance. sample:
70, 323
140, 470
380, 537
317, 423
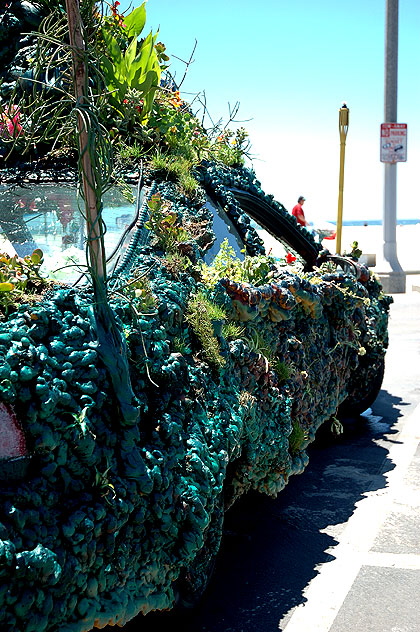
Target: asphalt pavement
339, 549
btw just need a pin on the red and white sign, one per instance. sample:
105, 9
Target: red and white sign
393, 142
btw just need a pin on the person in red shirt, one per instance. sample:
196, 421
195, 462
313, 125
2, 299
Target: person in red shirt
297, 211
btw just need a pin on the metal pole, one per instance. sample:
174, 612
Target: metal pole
391, 61
343, 126
393, 276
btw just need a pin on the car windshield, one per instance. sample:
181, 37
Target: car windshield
50, 217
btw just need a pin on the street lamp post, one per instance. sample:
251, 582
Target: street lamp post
343, 125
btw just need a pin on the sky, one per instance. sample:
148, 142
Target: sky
290, 64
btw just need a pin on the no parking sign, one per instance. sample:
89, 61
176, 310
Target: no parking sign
393, 142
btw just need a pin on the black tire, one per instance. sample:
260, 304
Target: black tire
353, 405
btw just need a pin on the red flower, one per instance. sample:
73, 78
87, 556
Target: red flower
114, 6
9, 122
290, 258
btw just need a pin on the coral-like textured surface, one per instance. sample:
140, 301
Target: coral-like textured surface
115, 518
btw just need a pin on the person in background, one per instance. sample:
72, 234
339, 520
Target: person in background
297, 211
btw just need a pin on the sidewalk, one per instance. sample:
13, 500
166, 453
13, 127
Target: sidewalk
372, 583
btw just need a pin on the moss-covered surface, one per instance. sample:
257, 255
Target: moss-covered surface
112, 518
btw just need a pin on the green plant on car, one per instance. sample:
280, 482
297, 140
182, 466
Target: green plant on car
164, 224
201, 314
178, 264
179, 132
176, 129
177, 169
129, 66
230, 147
283, 370
138, 290
258, 343
297, 438
355, 252
256, 270
181, 345
232, 331
18, 275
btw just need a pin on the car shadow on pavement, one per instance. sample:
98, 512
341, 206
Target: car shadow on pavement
271, 548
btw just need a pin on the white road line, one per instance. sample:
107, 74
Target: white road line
392, 560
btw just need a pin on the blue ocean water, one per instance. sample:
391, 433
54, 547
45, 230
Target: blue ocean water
375, 222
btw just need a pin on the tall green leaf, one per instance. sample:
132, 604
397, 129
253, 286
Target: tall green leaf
135, 21
130, 55
112, 45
